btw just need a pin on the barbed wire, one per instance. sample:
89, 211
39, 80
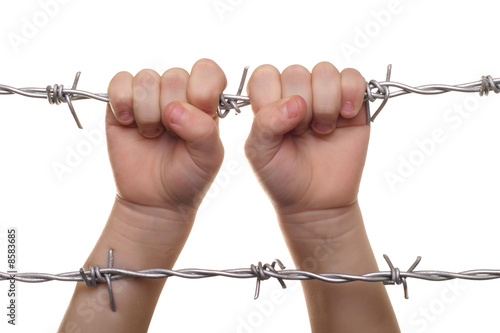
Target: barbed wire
261, 272
375, 90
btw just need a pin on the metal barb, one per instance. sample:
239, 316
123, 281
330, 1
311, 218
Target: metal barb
57, 95
95, 275
396, 275
383, 90
487, 84
70, 104
230, 102
260, 272
108, 281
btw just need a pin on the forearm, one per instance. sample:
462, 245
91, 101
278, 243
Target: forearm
141, 238
336, 242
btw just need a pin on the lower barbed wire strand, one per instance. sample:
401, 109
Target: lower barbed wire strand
246, 273
96, 275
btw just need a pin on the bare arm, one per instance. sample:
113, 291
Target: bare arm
165, 151
307, 147
336, 242
141, 239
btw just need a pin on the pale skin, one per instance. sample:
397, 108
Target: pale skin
307, 147
165, 151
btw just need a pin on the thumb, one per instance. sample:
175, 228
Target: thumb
270, 124
199, 131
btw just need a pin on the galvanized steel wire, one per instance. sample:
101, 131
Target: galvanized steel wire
375, 90
261, 272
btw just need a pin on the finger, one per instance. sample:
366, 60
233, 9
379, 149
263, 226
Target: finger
173, 87
174, 83
327, 97
296, 80
270, 125
120, 92
198, 130
353, 91
147, 112
264, 87
206, 83
358, 120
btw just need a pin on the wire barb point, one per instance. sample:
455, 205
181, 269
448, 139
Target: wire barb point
95, 275
261, 273
382, 90
57, 95
488, 84
397, 277
233, 102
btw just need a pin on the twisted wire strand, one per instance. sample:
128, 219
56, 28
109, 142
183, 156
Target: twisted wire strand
245, 273
261, 272
375, 90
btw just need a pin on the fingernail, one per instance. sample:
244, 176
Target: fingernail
177, 114
348, 109
322, 128
125, 117
151, 132
291, 109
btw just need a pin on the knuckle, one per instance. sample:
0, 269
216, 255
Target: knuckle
266, 70
295, 70
121, 76
210, 67
176, 76
325, 67
267, 73
350, 71
205, 63
118, 82
206, 83
147, 79
353, 74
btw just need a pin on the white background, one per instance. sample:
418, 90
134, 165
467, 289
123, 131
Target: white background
445, 209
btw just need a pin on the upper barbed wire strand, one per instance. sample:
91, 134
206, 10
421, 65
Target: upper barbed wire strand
375, 90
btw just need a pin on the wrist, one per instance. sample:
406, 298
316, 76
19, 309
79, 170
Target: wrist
319, 240
143, 232
141, 238
311, 224
335, 241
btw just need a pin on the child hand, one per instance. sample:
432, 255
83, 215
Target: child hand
163, 137
308, 151
165, 150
